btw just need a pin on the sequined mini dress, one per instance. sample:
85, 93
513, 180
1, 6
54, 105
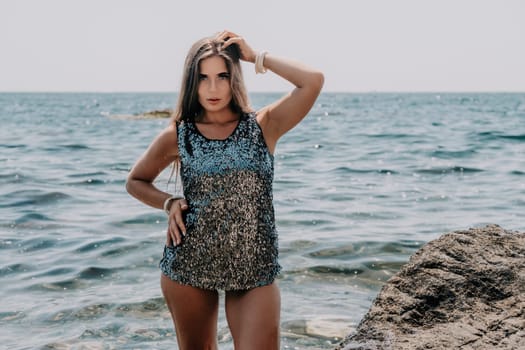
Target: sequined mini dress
231, 239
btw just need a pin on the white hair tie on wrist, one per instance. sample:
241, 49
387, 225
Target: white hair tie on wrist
259, 62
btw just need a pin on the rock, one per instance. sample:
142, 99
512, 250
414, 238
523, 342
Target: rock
464, 290
157, 113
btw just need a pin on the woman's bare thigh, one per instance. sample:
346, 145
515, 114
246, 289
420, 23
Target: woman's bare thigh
194, 312
254, 317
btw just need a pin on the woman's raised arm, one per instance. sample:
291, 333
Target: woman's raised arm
279, 117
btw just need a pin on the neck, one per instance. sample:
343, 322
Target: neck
222, 117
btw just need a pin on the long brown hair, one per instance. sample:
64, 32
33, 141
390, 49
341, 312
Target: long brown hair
188, 107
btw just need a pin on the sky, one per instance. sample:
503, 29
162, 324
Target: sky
361, 46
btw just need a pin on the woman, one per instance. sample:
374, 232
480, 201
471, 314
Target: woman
222, 236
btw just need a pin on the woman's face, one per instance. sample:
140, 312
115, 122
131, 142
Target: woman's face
214, 84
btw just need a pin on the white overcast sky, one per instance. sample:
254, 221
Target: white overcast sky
367, 45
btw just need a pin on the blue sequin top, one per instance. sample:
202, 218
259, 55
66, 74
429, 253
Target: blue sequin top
231, 240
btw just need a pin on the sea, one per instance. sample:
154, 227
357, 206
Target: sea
360, 184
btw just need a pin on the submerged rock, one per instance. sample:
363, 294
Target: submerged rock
157, 113
464, 290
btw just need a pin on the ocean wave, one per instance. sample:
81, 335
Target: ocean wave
90, 175
151, 307
357, 250
38, 243
69, 277
32, 198
58, 286
347, 170
328, 330
55, 271
448, 170
87, 182
359, 275
150, 218
332, 270
444, 154
520, 137
94, 272
495, 135
124, 167
12, 316
66, 147
15, 177
393, 136
9, 146
121, 250
31, 217
97, 244
8, 242
15, 269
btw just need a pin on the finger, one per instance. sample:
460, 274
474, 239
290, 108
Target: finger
180, 222
169, 241
229, 38
232, 34
227, 34
174, 232
221, 35
183, 204
232, 40
178, 207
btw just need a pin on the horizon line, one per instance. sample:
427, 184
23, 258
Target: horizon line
271, 92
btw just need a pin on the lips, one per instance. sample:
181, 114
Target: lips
213, 100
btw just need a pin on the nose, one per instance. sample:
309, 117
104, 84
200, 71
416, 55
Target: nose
212, 86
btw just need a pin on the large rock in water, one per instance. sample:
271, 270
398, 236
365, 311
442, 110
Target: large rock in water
464, 290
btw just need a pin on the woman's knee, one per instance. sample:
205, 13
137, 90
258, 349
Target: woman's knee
198, 344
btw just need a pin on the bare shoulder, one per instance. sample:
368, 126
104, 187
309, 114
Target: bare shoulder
170, 130
160, 153
167, 140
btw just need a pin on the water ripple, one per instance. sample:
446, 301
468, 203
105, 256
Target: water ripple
93, 272
66, 148
91, 246
15, 269
32, 198
9, 146
445, 154
448, 170
58, 286
38, 243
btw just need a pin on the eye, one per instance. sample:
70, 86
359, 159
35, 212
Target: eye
224, 76
202, 77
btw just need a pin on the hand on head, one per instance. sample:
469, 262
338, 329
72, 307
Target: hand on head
229, 38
